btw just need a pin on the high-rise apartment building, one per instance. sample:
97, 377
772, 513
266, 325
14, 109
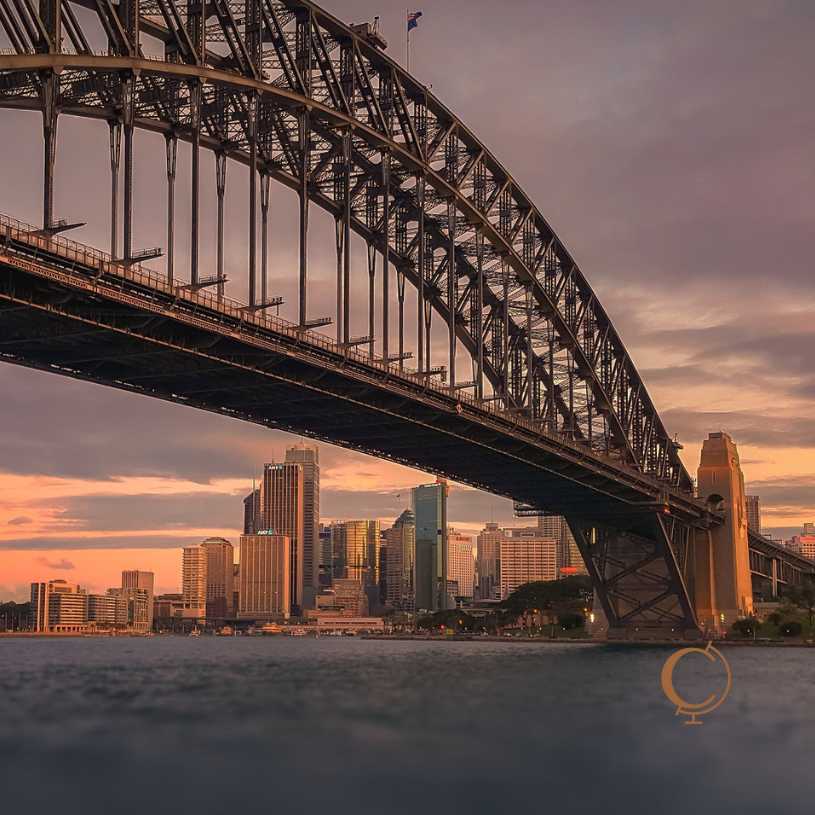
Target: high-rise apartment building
308, 457
809, 528
430, 512
109, 610
526, 558
460, 562
194, 582
488, 549
59, 606
282, 512
135, 579
753, 506
220, 574
401, 543
265, 577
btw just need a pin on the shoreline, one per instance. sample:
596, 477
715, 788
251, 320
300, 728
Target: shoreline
21, 635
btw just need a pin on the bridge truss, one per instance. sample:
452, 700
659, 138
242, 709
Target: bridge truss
311, 103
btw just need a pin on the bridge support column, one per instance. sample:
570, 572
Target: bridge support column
220, 191
265, 199
50, 92
253, 200
115, 157
452, 293
638, 577
386, 220
400, 290
704, 583
479, 317
346, 238
340, 236
420, 360
371, 297
725, 589
128, 102
195, 115
774, 576
172, 153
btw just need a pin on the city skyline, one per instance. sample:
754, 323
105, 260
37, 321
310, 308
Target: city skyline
65, 563
733, 360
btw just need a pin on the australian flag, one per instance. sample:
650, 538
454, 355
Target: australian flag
413, 19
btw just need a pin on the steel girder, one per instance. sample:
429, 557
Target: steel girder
299, 96
641, 577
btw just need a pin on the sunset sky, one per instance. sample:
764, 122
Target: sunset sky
669, 144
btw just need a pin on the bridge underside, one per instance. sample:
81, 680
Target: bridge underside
104, 329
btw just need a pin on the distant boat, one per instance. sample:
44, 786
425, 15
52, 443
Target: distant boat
226, 631
195, 632
271, 628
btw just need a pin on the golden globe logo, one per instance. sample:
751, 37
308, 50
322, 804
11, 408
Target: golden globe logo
695, 709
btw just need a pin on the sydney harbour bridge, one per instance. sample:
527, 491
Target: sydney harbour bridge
510, 377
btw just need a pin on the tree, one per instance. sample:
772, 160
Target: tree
559, 596
15, 616
748, 627
454, 619
804, 597
570, 621
791, 628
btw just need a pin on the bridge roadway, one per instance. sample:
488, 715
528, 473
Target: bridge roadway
68, 308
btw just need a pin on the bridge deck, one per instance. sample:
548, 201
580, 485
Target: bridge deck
71, 309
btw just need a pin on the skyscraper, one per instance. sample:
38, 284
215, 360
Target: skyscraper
251, 512
357, 543
488, 546
401, 541
265, 577
282, 512
430, 512
753, 505
570, 561
460, 562
326, 556
220, 574
134, 579
309, 459
194, 582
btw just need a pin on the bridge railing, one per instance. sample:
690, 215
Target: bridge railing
90, 257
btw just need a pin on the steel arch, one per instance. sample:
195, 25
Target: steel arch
312, 102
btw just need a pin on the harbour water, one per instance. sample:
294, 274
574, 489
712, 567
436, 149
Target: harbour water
281, 725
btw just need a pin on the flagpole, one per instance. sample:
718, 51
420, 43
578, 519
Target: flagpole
407, 38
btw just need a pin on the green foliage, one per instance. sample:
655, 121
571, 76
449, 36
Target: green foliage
451, 618
803, 596
561, 596
748, 627
571, 621
15, 616
791, 628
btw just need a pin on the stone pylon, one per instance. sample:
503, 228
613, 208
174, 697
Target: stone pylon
722, 584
